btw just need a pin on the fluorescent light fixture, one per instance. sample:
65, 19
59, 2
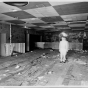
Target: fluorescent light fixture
18, 4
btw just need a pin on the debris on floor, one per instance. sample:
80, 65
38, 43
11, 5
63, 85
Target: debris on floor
84, 83
41, 77
51, 50
7, 70
49, 72
17, 67
81, 62
34, 72
43, 82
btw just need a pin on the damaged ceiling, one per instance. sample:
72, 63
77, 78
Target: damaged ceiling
50, 16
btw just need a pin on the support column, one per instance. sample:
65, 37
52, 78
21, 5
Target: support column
10, 41
27, 46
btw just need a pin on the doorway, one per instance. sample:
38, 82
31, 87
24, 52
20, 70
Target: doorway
85, 44
30, 41
33, 39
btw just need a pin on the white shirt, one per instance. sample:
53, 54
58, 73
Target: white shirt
64, 45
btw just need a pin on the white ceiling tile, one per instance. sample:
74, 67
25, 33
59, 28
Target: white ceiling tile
5, 17
63, 27
43, 12
33, 20
67, 19
7, 8
48, 11
34, 12
60, 23
82, 16
28, 25
76, 25
6, 22
60, 3
47, 26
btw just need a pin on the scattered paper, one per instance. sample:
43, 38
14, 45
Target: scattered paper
17, 66
19, 73
41, 77
46, 65
6, 70
43, 82
50, 72
4, 74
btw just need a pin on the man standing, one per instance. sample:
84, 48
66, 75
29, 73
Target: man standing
63, 49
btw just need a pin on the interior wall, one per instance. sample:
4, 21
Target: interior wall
18, 34
5, 28
31, 37
72, 36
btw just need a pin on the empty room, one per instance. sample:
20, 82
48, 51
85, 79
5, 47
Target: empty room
43, 43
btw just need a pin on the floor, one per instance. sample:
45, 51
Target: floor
43, 68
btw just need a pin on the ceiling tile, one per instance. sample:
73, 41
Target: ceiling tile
61, 15
76, 25
7, 8
47, 26
41, 24
77, 28
5, 22
34, 12
75, 8
5, 17
61, 26
28, 25
60, 23
77, 22
16, 21
32, 20
19, 14
43, 12
60, 3
52, 19
75, 17
32, 5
